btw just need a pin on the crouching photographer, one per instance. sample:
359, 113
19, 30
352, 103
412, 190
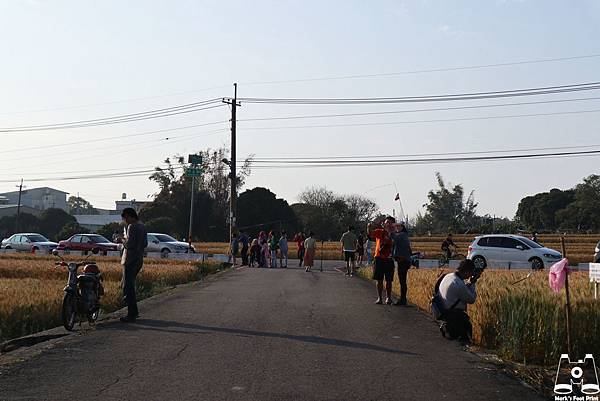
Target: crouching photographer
453, 295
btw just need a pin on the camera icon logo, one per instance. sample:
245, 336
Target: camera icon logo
579, 374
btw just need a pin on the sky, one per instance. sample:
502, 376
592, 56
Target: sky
77, 60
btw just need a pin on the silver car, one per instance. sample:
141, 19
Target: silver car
166, 244
29, 242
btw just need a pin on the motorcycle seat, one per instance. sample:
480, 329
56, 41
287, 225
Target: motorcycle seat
91, 268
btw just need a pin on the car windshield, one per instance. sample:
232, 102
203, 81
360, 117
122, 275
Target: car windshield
98, 239
165, 238
37, 238
530, 243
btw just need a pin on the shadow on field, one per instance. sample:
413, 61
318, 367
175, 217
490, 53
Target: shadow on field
187, 328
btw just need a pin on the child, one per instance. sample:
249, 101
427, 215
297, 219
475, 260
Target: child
255, 253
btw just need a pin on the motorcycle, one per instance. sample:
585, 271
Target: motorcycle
82, 292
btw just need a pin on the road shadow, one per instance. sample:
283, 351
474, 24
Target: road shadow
168, 326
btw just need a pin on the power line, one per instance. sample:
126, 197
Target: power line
422, 71
110, 138
147, 115
425, 121
495, 151
394, 162
482, 106
340, 77
430, 98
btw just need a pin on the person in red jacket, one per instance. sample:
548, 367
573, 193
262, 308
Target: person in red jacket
299, 239
384, 264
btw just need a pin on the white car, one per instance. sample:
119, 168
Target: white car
487, 249
166, 244
28, 242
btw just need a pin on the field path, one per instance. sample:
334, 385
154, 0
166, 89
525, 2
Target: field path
262, 334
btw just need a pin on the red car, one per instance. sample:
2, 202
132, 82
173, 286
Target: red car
87, 242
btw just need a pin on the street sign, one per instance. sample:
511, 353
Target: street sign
193, 172
195, 159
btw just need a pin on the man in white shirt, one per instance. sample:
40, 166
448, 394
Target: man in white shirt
456, 294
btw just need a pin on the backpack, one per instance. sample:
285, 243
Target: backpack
436, 304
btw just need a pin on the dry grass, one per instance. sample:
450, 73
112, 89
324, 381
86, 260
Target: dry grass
524, 322
31, 288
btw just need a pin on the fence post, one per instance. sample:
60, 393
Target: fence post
568, 304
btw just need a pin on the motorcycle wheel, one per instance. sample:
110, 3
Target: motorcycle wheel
69, 311
92, 317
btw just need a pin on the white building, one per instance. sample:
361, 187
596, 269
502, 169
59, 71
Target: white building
38, 198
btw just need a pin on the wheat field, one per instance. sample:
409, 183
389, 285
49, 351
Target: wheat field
524, 322
31, 288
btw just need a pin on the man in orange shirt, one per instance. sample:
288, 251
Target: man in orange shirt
384, 264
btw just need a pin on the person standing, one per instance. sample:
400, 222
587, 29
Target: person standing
384, 264
368, 250
402, 253
255, 253
283, 250
233, 248
133, 243
360, 250
299, 239
245, 241
273, 246
310, 246
348, 242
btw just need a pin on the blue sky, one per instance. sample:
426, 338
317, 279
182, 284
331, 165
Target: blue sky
65, 61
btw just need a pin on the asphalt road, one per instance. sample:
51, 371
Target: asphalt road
262, 334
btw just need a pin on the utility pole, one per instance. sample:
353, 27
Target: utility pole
191, 212
194, 170
233, 174
19, 207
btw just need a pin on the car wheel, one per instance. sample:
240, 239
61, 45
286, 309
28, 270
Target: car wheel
7, 247
479, 262
165, 252
536, 264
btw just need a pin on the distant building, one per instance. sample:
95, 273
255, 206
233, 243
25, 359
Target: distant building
11, 210
93, 222
37, 198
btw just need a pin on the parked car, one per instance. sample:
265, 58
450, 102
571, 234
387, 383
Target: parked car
597, 253
511, 248
87, 242
28, 242
166, 244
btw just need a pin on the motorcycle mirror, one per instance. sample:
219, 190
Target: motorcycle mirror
55, 252
95, 251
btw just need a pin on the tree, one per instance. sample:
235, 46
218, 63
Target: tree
539, 212
53, 220
211, 197
78, 205
109, 229
260, 209
27, 223
70, 229
328, 214
583, 213
447, 209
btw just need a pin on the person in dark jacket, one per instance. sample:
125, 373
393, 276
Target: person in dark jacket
402, 253
134, 242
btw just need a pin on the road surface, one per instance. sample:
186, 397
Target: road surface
262, 334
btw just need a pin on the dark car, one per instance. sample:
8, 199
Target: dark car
87, 242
